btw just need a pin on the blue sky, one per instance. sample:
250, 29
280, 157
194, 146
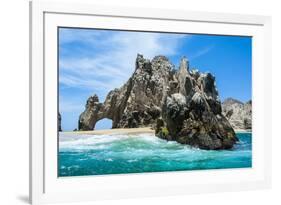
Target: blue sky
96, 61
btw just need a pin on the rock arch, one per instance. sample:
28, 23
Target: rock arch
94, 112
137, 103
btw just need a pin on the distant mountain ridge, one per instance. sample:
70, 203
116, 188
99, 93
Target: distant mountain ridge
230, 101
239, 114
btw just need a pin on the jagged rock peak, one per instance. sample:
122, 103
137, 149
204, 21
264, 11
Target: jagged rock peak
92, 100
142, 63
160, 58
184, 65
207, 84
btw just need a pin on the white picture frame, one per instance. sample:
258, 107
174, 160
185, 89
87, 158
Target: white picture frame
46, 187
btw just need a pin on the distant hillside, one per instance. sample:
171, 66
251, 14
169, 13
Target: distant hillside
230, 101
239, 114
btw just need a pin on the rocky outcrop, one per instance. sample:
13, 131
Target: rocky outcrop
59, 122
238, 114
181, 105
135, 104
194, 115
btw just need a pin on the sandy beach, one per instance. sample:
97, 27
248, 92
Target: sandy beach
115, 131
78, 134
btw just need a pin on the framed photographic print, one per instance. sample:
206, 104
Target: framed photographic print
129, 102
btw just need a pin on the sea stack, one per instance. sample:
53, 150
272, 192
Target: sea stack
180, 104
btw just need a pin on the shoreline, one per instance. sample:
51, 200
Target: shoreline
76, 135
129, 131
114, 131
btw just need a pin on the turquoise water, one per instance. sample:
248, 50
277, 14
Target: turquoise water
115, 154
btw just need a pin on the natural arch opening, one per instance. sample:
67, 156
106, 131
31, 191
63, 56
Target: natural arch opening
103, 124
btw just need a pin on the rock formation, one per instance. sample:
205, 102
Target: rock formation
135, 104
59, 122
238, 114
181, 105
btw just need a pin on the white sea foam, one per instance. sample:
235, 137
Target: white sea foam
132, 160
82, 141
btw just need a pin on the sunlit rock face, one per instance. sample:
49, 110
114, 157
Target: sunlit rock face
238, 114
180, 104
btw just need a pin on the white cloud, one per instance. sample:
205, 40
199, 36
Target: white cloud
73, 81
109, 59
72, 107
201, 52
69, 35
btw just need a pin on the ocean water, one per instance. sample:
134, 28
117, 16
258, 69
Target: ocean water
116, 154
